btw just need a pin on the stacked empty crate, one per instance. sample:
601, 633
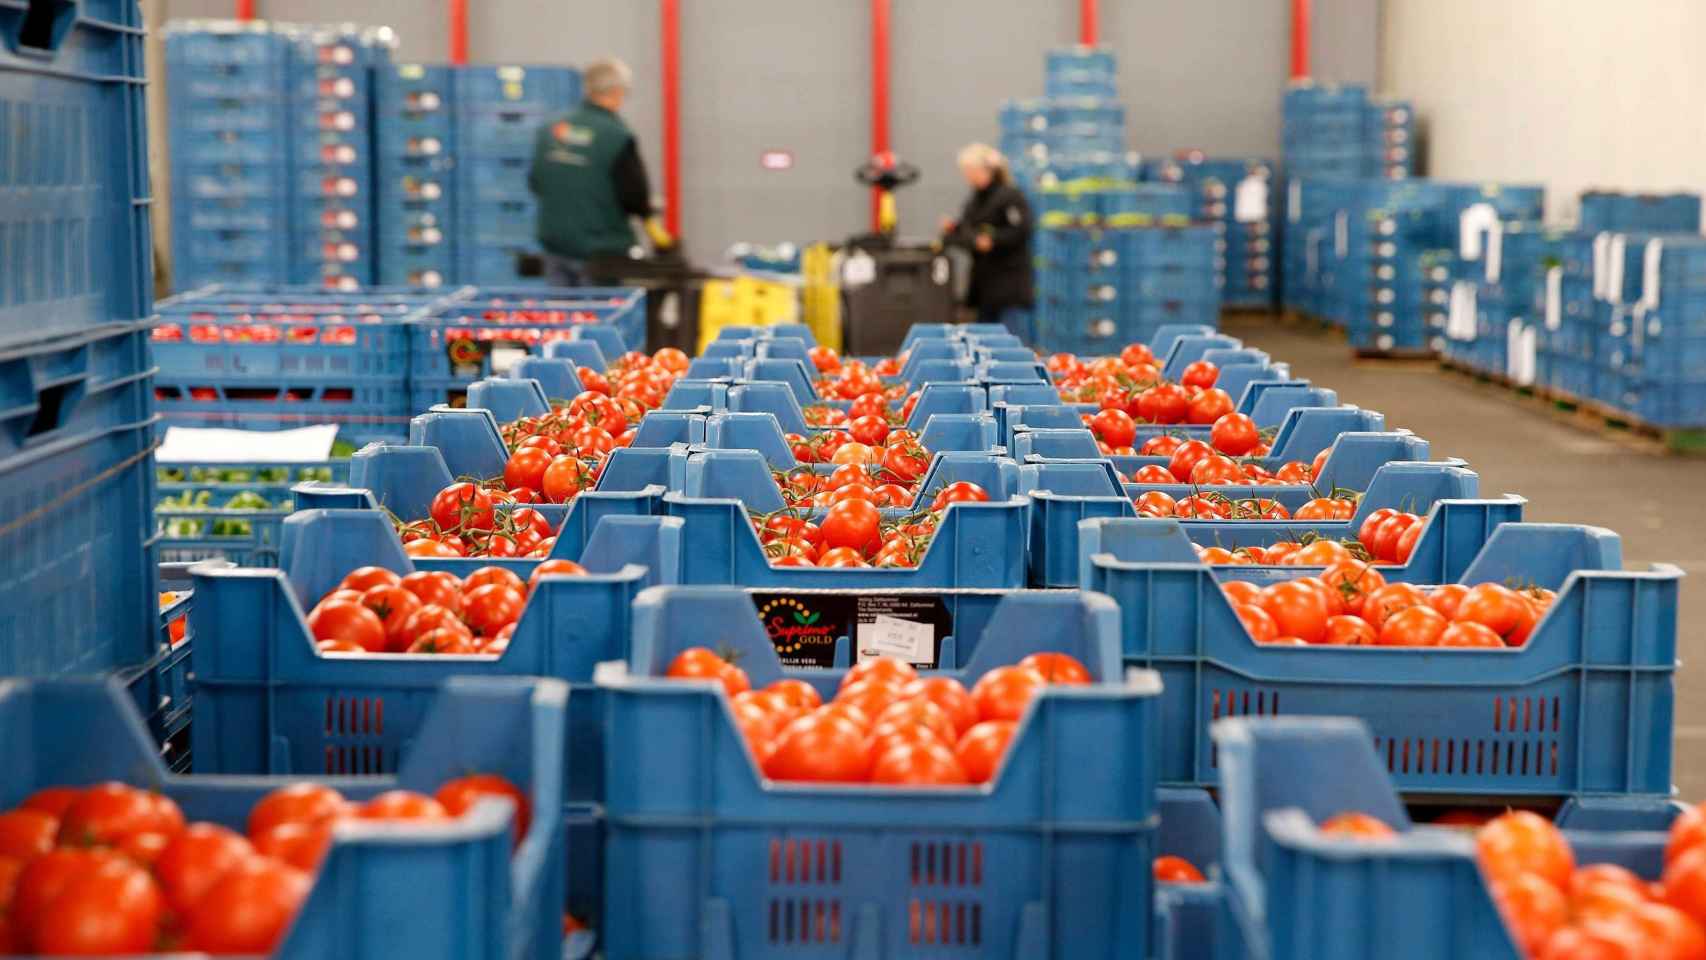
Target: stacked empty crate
229, 127
1332, 130
1116, 261
1234, 195
332, 234
413, 138
499, 111
74, 366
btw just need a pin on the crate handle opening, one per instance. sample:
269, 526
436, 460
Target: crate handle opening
46, 22
50, 404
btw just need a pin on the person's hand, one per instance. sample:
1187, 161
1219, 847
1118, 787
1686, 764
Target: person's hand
948, 224
984, 243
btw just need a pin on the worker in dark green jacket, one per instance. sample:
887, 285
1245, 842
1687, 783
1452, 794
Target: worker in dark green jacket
590, 181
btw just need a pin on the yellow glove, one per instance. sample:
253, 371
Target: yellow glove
659, 234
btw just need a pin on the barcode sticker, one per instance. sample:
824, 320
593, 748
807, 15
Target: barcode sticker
1250, 202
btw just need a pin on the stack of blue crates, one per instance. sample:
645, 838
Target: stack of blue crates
414, 145
1234, 194
1306, 241
1331, 130
1114, 262
332, 235
76, 430
1389, 131
1652, 345
1374, 282
1076, 131
1655, 212
498, 111
229, 127
1080, 71
1475, 221
1323, 130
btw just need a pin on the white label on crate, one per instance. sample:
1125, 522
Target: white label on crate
428, 100
1601, 250
343, 88
1460, 318
1471, 224
1614, 255
1250, 202
429, 146
346, 220
411, 71
429, 278
1513, 349
504, 357
941, 271
1387, 249
1638, 327
431, 190
1495, 249
906, 640
1341, 233
1294, 201
207, 445
1554, 297
1650, 262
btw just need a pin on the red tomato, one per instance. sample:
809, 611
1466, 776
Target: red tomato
1417, 626
113, 908
1346, 630
1114, 427
1385, 545
1235, 434
526, 468
107, 813
982, 747
1685, 883
822, 746
393, 605
1521, 842
1298, 609
1407, 541
1358, 825
885, 669
1161, 446
402, 805
1061, 668
297, 803
363, 579
564, 477
1004, 692
853, 524
27, 834
1170, 869
301, 845
1466, 634
1153, 473
1202, 374
1154, 503
249, 909
437, 587
1533, 910
1208, 406
1352, 581
1385, 601
927, 763
458, 796
799, 694
1257, 621
1164, 403
1186, 457
462, 506
347, 622
195, 859
1447, 598
870, 430
550, 567
1500, 609
960, 491
1216, 470
955, 701
444, 640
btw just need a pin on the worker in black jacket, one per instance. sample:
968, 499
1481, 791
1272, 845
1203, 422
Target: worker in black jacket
995, 227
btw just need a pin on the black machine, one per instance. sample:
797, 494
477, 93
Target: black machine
887, 285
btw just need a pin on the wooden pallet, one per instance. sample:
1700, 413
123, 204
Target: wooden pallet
1590, 415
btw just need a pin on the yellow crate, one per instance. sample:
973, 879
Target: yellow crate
745, 301
822, 295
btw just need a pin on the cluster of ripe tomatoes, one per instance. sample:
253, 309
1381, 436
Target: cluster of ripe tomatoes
114, 870
373, 610
852, 379
852, 531
1387, 536
1132, 383
552, 459
1205, 464
1351, 604
885, 724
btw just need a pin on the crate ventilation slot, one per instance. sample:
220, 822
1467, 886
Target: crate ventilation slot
805, 918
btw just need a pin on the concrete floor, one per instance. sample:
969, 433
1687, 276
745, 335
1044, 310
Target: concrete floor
1657, 503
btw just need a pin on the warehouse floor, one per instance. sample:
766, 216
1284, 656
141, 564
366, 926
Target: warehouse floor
1567, 473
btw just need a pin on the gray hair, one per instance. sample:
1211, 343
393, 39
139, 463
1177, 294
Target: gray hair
605, 76
982, 155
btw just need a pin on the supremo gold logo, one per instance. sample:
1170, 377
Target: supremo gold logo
793, 627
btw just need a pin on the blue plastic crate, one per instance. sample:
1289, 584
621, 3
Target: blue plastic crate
493, 903
363, 409
79, 483
287, 343
544, 86
1511, 722
1288, 888
1051, 859
75, 117
248, 538
525, 317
